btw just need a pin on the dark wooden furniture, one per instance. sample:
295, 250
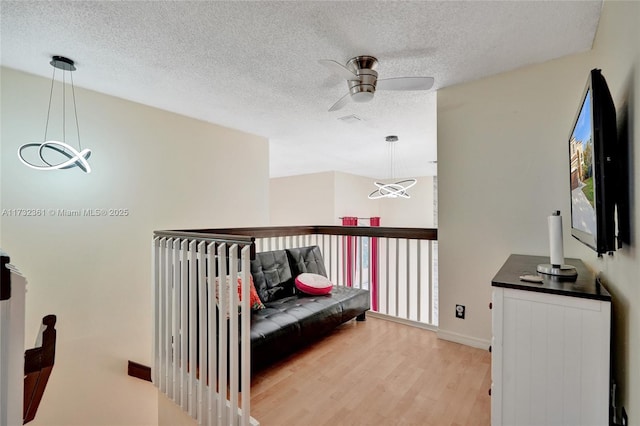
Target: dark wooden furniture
38, 363
585, 286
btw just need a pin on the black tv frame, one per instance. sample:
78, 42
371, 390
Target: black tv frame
604, 135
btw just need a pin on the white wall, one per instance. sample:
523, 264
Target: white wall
94, 272
302, 200
502, 150
322, 198
351, 198
415, 212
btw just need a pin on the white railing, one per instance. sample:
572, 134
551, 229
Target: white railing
400, 273
12, 324
201, 358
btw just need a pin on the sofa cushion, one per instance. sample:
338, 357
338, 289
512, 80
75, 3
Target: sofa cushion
354, 301
306, 259
272, 275
291, 322
313, 284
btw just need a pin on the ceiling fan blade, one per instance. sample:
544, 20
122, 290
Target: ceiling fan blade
338, 69
341, 103
405, 83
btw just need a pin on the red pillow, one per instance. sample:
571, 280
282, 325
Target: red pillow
254, 300
313, 284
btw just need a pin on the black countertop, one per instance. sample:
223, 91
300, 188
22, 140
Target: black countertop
585, 286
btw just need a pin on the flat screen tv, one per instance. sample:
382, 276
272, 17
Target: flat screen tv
592, 150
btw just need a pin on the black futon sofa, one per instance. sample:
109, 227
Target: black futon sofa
293, 319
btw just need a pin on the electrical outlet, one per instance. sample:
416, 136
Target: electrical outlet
460, 311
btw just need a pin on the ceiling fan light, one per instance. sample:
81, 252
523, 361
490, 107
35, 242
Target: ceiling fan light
362, 97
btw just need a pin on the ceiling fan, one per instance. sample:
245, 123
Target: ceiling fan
363, 81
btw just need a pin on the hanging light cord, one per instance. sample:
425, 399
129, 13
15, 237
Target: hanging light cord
46, 126
391, 157
64, 107
75, 110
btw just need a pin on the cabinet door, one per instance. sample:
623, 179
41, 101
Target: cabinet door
554, 359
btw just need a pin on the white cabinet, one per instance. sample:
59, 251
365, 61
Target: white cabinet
550, 356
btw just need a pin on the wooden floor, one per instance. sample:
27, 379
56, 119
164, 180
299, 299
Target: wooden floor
376, 372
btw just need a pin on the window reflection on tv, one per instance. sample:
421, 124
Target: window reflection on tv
583, 210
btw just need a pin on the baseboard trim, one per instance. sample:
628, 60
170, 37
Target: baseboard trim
464, 340
139, 371
402, 321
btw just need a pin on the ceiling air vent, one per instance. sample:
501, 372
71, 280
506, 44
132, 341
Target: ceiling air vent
350, 119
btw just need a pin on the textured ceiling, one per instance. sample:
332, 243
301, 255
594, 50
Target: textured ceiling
253, 65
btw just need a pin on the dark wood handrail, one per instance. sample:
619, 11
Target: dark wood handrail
206, 236
379, 231
247, 236
38, 363
285, 231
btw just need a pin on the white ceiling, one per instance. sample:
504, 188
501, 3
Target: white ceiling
253, 65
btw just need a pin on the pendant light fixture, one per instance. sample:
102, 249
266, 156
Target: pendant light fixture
392, 190
55, 154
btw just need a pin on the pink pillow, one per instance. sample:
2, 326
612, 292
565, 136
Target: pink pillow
313, 284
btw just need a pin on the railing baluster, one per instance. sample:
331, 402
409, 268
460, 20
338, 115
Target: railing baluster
358, 250
328, 263
223, 311
184, 277
418, 274
162, 375
370, 268
408, 279
233, 334
245, 351
341, 259
397, 277
324, 255
202, 332
430, 282
155, 265
176, 320
193, 338
387, 282
168, 329
212, 416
